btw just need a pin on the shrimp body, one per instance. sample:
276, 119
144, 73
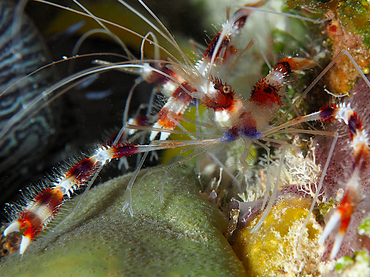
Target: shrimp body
185, 84
228, 109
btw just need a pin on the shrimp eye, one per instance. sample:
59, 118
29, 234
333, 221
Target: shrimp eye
226, 89
162, 64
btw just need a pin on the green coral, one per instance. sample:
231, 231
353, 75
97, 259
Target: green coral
181, 236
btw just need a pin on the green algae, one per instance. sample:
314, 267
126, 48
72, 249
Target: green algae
364, 227
358, 265
313, 5
180, 236
355, 16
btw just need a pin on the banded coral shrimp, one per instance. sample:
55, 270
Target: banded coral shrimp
73, 132
193, 232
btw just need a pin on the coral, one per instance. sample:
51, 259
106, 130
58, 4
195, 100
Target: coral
277, 249
183, 235
180, 237
346, 29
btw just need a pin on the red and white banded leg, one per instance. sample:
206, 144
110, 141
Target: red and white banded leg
41, 209
360, 145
